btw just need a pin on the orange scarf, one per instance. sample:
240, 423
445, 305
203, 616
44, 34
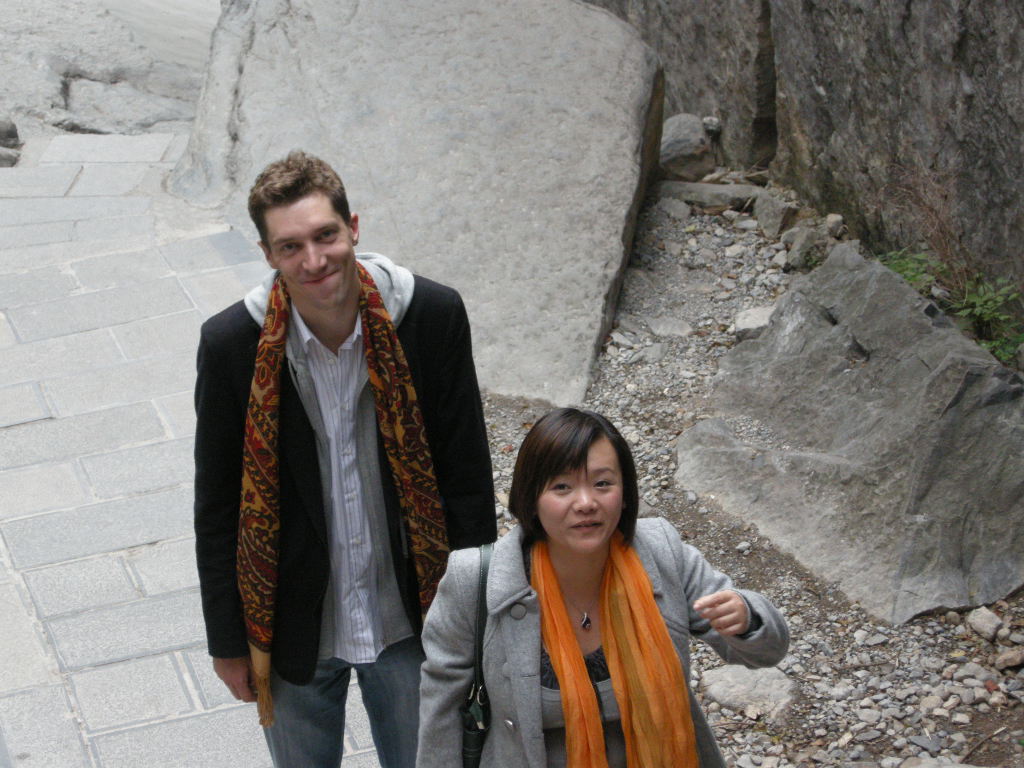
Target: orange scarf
646, 673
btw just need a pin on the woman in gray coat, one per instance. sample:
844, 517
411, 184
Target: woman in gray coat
589, 617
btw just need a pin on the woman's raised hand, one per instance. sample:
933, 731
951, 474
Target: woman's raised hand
726, 611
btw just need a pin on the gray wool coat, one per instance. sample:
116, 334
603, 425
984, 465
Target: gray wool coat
511, 658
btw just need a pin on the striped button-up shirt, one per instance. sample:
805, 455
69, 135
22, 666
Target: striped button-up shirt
337, 379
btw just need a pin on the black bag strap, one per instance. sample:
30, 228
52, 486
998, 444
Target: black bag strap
478, 693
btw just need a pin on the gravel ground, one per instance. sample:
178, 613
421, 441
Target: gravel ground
868, 694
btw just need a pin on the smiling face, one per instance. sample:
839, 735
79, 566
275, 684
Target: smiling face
314, 249
580, 509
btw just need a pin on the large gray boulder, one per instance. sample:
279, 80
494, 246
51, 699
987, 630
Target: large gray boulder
500, 147
897, 471
103, 66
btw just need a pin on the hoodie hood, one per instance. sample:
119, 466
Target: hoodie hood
395, 284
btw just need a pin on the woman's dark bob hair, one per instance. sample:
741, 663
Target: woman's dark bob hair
559, 442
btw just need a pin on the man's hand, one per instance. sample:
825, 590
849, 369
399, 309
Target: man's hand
235, 673
726, 611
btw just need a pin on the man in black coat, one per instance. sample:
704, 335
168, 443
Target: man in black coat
346, 545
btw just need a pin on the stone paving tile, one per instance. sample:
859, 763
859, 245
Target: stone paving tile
37, 210
122, 632
130, 693
131, 229
21, 404
60, 356
6, 333
98, 309
213, 291
212, 692
141, 469
50, 181
23, 662
160, 335
177, 148
224, 249
38, 285
357, 723
230, 737
74, 148
179, 413
110, 270
120, 384
26, 235
367, 759
39, 488
109, 179
40, 731
80, 585
56, 439
55, 248
165, 567
104, 527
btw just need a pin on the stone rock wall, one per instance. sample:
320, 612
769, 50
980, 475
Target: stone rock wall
857, 101
501, 148
895, 469
718, 61
876, 95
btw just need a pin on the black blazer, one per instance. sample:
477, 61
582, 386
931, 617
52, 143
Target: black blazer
435, 337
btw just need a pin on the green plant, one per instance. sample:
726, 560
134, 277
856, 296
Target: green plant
986, 304
984, 307
921, 270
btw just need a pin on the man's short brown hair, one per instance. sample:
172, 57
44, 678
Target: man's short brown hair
560, 442
285, 181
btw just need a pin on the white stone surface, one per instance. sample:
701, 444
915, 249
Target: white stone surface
80, 585
109, 179
756, 692
57, 439
20, 404
39, 489
39, 729
496, 147
122, 384
37, 182
179, 413
71, 148
122, 632
230, 737
166, 567
24, 660
104, 527
130, 692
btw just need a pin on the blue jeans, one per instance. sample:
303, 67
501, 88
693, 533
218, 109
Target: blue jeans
309, 720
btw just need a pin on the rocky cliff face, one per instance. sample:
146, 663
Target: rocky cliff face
718, 60
862, 103
876, 99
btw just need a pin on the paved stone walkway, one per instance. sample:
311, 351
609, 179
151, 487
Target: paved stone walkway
103, 659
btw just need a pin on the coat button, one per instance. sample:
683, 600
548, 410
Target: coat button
510, 725
517, 611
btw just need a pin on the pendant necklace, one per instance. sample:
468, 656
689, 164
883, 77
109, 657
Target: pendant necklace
585, 622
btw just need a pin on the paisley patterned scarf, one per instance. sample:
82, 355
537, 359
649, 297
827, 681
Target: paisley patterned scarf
405, 442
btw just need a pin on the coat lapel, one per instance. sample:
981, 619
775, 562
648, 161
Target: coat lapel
508, 588
299, 456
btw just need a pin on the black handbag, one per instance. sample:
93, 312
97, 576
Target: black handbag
476, 710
